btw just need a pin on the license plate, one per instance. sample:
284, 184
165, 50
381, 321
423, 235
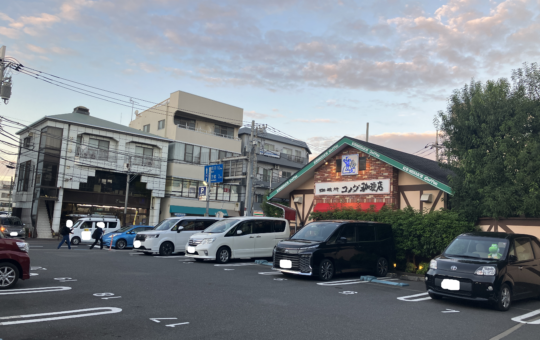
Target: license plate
191, 249
137, 244
287, 264
13, 233
86, 235
450, 284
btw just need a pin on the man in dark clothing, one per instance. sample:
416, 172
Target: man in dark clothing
98, 234
65, 231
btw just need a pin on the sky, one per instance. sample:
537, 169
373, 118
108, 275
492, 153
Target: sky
313, 69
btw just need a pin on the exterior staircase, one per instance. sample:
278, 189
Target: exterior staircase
43, 222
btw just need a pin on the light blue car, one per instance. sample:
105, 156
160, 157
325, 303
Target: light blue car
124, 237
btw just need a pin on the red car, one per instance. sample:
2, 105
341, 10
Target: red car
14, 261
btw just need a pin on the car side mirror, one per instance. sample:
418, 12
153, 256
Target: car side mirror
239, 232
342, 240
512, 258
179, 229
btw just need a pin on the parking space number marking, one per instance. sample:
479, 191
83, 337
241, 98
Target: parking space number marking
108, 296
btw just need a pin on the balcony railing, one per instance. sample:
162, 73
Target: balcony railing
187, 127
97, 154
292, 158
148, 161
266, 178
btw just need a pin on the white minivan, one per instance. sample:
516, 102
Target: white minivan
238, 237
84, 228
171, 235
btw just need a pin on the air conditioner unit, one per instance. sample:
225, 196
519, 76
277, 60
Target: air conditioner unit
276, 166
298, 200
426, 198
30, 134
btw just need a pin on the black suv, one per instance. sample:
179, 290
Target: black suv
326, 248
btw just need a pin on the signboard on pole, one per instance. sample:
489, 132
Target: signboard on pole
217, 173
202, 193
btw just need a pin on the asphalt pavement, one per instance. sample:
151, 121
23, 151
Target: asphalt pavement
102, 294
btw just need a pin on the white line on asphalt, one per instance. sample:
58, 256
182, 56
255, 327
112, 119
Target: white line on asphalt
34, 290
157, 319
408, 298
450, 311
270, 273
169, 257
228, 269
340, 283
236, 265
37, 268
105, 310
520, 318
177, 324
507, 332
31, 246
34, 274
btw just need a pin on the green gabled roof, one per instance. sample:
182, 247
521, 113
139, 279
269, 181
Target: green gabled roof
422, 168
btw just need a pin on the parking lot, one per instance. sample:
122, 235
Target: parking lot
89, 294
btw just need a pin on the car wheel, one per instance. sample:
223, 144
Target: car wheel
75, 241
504, 298
381, 268
167, 248
223, 255
326, 270
121, 244
435, 296
9, 275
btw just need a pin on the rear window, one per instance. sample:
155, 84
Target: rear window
279, 226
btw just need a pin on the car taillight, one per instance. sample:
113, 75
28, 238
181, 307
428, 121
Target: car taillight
2, 228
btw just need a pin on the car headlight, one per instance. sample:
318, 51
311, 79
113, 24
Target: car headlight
433, 264
152, 236
486, 270
23, 246
208, 240
307, 248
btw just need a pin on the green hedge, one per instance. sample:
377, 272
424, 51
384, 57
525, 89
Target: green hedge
419, 236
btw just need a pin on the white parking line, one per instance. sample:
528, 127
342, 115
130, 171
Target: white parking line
408, 298
104, 310
270, 273
236, 265
34, 290
340, 283
520, 318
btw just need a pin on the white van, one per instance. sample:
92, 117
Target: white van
171, 235
89, 224
238, 237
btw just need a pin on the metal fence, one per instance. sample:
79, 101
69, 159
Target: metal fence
97, 154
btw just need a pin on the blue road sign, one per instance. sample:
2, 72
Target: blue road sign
217, 173
202, 191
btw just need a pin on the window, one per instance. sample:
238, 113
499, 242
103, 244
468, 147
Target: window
161, 124
146, 128
205, 156
279, 226
27, 142
365, 233
297, 153
269, 147
196, 154
176, 151
86, 225
258, 198
144, 156
185, 123
286, 174
383, 232
287, 151
245, 227
112, 225
16, 221
5, 195
99, 149
24, 176
263, 227
189, 153
349, 232
214, 155
536, 248
524, 250
362, 163
224, 131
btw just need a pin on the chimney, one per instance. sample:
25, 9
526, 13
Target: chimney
82, 110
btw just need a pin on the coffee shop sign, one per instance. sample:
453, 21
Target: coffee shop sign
381, 186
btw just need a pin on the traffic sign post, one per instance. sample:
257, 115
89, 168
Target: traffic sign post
214, 173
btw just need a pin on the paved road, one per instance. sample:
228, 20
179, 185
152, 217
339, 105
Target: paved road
239, 301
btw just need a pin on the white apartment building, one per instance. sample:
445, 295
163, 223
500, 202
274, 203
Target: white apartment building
76, 164
204, 131
5, 198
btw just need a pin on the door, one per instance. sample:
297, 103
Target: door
244, 243
347, 254
367, 248
263, 230
86, 230
182, 236
527, 266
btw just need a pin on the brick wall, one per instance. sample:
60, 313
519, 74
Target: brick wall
375, 169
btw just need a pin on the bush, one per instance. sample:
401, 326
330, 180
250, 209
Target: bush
423, 268
418, 236
410, 267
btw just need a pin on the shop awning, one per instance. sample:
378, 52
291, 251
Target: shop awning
288, 213
324, 207
195, 210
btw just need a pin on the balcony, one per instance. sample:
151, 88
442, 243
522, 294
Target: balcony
264, 180
292, 158
96, 154
192, 128
191, 135
152, 162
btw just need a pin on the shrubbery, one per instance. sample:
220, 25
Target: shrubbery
418, 236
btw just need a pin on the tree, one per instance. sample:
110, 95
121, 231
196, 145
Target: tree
270, 210
492, 144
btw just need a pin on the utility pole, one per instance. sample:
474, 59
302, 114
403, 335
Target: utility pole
2, 57
208, 192
249, 186
11, 199
128, 165
367, 133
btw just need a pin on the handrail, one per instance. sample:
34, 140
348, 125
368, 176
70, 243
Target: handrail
205, 132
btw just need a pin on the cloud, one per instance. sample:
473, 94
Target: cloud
257, 115
51, 50
334, 103
317, 120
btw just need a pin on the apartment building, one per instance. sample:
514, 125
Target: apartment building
5, 196
75, 164
204, 132
278, 158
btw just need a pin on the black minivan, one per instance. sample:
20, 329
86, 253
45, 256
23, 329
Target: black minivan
326, 248
487, 266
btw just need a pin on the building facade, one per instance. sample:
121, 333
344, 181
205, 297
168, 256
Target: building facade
75, 164
204, 132
360, 175
277, 159
5, 195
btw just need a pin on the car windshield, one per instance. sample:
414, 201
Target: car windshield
77, 224
166, 224
316, 231
478, 247
123, 230
220, 226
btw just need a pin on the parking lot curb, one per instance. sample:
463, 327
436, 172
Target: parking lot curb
407, 277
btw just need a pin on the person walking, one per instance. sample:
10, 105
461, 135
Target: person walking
98, 235
65, 231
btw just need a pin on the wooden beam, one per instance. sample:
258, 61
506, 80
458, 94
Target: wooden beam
436, 201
